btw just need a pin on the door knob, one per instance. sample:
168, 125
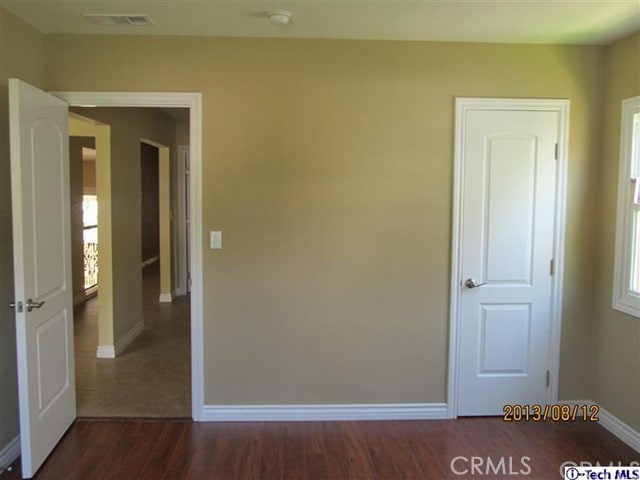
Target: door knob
30, 305
471, 283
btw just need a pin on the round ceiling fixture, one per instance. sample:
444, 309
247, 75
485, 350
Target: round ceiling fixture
279, 17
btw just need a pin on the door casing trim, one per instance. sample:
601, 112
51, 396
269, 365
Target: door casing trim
462, 106
192, 101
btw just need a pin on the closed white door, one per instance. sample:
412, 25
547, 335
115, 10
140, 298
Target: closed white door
42, 270
507, 234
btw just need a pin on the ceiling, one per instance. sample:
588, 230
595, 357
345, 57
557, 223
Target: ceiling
590, 22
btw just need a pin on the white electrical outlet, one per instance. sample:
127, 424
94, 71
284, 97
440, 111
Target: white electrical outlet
215, 240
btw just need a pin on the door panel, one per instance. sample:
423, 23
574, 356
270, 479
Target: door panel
504, 339
53, 370
42, 270
508, 205
509, 220
47, 233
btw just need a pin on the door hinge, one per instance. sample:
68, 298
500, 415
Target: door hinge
552, 267
548, 377
555, 154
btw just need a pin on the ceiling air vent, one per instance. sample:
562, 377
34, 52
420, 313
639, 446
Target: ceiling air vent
104, 19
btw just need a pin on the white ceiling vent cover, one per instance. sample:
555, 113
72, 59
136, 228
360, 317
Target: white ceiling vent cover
136, 20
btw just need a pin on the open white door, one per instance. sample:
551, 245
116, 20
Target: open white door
42, 269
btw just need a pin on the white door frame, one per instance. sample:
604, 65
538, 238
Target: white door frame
464, 105
192, 101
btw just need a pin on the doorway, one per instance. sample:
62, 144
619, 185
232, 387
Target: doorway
507, 253
144, 369
192, 102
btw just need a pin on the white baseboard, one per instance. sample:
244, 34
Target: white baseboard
10, 452
620, 429
284, 413
84, 296
129, 337
112, 351
106, 351
166, 298
613, 424
78, 299
149, 261
179, 290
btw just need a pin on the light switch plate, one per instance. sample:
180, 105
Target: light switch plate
215, 240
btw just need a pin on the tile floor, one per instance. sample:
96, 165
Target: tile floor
152, 378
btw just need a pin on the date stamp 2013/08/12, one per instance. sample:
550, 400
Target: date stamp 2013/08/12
555, 413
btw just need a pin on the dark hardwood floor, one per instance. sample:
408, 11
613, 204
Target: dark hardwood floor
126, 449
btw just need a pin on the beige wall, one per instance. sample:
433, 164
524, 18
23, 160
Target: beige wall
182, 132
25, 63
89, 177
128, 127
617, 335
328, 166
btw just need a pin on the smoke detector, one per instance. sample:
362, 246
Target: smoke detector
136, 20
279, 17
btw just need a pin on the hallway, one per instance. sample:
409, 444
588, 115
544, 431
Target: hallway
152, 378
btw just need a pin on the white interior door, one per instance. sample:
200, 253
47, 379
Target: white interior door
507, 235
42, 269
187, 218
182, 225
